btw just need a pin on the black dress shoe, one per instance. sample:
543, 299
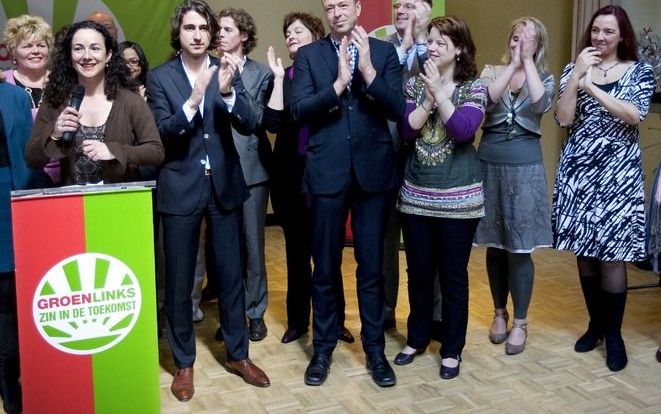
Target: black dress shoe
405, 359
219, 335
317, 370
382, 373
292, 334
344, 335
257, 329
448, 372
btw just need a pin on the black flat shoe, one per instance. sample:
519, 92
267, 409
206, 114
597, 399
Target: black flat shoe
405, 359
448, 372
317, 370
292, 334
382, 372
345, 336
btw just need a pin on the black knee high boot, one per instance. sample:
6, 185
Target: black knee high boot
10, 389
592, 293
616, 354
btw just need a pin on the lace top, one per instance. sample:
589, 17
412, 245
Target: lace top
85, 170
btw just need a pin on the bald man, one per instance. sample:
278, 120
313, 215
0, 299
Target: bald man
105, 20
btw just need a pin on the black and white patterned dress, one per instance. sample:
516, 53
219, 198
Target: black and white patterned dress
598, 199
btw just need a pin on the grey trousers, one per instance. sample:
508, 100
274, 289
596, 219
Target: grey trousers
254, 220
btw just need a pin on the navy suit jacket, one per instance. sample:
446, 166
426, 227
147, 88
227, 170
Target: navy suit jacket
181, 178
350, 132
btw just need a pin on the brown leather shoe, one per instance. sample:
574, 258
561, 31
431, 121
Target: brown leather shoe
250, 372
182, 384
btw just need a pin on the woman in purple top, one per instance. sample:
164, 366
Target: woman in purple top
289, 203
441, 195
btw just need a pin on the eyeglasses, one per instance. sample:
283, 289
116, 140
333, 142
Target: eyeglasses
407, 6
133, 62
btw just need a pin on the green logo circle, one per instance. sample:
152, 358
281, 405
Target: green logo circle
87, 303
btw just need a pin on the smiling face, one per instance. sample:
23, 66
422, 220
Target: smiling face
404, 11
341, 16
230, 38
31, 54
194, 36
297, 35
88, 54
132, 61
441, 49
605, 35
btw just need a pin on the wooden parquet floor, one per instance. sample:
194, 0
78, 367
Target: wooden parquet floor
549, 377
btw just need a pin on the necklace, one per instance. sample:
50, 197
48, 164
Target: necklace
32, 92
605, 71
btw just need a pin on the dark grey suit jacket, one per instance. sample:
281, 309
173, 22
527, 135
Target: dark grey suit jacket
255, 149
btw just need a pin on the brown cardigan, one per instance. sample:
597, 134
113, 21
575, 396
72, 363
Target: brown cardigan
131, 136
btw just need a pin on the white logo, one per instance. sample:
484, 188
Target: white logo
87, 303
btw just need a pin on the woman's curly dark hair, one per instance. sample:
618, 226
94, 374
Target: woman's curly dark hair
246, 25
63, 77
457, 30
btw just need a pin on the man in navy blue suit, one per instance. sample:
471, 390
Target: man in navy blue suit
196, 99
346, 87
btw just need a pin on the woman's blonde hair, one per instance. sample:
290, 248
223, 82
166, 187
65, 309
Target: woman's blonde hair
542, 41
25, 26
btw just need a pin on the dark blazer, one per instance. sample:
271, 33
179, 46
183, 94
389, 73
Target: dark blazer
350, 132
255, 149
287, 162
181, 178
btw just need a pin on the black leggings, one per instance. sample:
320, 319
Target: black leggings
510, 273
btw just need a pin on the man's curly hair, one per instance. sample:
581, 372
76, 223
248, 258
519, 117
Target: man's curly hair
63, 77
246, 25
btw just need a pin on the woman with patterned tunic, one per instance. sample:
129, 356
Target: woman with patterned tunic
517, 211
598, 210
441, 197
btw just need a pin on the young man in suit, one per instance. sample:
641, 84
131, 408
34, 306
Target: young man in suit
345, 88
196, 100
238, 37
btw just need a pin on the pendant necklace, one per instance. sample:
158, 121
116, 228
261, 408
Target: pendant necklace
605, 71
28, 90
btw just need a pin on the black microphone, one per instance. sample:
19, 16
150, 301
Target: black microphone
77, 96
